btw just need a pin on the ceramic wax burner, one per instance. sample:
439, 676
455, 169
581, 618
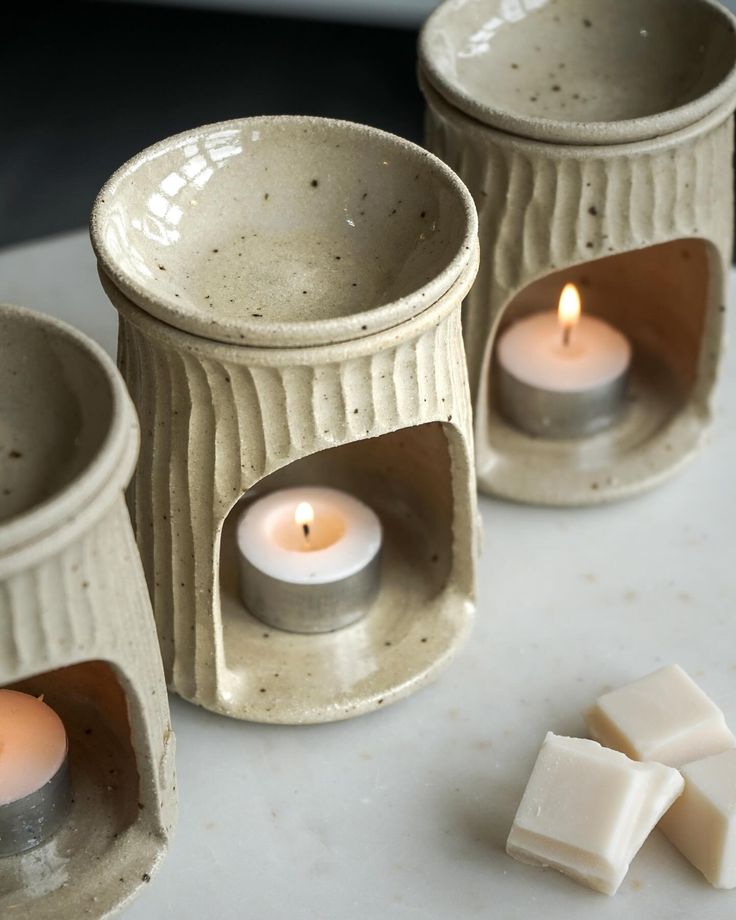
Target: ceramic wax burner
596, 137
289, 294
76, 622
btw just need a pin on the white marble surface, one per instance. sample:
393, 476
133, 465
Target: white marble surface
404, 813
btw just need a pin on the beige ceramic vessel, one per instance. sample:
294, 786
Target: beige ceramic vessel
596, 138
75, 619
291, 314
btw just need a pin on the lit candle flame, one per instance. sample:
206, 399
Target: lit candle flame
304, 515
568, 311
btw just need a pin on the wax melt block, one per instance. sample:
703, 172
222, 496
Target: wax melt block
702, 822
664, 716
587, 810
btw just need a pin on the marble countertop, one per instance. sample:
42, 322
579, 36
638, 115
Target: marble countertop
404, 813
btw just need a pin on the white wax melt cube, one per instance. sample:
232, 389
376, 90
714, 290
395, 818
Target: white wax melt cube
664, 716
702, 822
587, 810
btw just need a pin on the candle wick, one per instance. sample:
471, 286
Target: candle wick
566, 332
305, 528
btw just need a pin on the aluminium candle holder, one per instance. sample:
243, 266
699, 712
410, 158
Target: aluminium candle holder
596, 138
312, 600
289, 295
75, 620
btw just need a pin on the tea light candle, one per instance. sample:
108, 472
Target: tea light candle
309, 558
562, 375
34, 774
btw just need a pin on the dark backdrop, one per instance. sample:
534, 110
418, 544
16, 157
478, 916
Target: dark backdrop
84, 86
87, 85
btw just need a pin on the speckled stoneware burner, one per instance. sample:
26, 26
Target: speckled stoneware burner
289, 294
75, 619
596, 138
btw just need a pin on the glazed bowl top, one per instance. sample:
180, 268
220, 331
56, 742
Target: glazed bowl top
283, 231
67, 428
582, 71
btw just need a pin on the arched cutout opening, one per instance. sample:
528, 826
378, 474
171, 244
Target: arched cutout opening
662, 298
406, 478
92, 704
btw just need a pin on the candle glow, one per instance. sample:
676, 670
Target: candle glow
309, 558
304, 516
33, 744
562, 386
568, 311
35, 790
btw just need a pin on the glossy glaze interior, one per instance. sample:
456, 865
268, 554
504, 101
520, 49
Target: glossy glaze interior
578, 61
56, 408
239, 226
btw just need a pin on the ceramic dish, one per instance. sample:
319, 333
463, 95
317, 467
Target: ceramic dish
68, 430
582, 71
283, 230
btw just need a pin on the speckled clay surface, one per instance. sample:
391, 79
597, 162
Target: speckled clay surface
283, 230
582, 71
384, 415
549, 213
75, 619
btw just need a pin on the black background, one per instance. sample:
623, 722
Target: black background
84, 86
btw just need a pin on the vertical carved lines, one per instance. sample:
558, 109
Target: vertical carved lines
328, 404
214, 421
271, 400
383, 388
545, 207
250, 424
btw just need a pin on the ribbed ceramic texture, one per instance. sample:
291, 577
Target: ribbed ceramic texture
216, 419
89, 602
543, 208
75, 596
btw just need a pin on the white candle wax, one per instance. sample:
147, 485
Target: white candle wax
33, 745
562, 375
343, 536
309, 559
533, 351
